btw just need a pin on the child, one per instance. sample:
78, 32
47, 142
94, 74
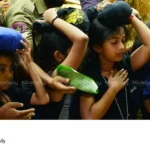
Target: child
65, 45
116, 99
10, 91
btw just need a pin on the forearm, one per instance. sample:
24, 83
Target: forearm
40, 91
73, 33
44, 76
99, 109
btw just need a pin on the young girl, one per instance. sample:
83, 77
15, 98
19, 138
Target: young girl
9, 91
74, 51
116, 98
66, 45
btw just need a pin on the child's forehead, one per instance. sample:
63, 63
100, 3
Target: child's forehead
5, 60
120, 33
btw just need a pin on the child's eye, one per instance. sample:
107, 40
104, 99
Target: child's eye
123, 41
114, 42
2, 69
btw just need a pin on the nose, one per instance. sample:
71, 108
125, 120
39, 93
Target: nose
121, 46
9, 74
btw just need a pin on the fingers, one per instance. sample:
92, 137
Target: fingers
69, 90
24, 44
102, 5
40, 21
21, 52
126, 81
14, 105
124, 75
27, 42
119, 72
61, 79
23, 113
66, 89
28, 116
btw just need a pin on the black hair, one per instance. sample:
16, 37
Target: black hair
54, 3
137, 42
8, 54
99, 32
51, 42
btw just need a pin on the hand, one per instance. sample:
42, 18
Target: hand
100, 6
25, 54
136, 13
58, 84
50, 14
9, 111
118, 81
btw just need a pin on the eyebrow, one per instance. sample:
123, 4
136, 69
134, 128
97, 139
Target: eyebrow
1, 65
116, 37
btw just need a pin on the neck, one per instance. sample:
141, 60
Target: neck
106, 66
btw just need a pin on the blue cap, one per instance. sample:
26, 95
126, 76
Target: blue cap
10, 39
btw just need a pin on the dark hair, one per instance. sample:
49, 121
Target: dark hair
137, 42
54, 3
51, 42
98, 32
7, 54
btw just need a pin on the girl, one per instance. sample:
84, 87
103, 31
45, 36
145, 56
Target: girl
116, 99
66, 45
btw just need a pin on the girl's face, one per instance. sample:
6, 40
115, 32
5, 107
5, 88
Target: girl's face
6, 72
113, 49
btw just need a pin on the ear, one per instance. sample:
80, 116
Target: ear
97, 48
59, 57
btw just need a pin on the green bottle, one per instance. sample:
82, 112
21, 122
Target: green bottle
78, 80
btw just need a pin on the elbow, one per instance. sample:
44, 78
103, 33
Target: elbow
44, 100
92, 116
40, 100
83, 38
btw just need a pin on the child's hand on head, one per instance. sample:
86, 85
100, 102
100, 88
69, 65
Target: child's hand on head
100, 6
136, 13
26, 52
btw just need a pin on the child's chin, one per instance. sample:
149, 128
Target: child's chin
5, 87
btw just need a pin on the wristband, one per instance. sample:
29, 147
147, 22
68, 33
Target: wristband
54, 20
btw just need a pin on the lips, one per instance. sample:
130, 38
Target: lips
120, 54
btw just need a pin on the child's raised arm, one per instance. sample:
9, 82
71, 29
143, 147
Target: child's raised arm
40, 97
76, 36
142, 55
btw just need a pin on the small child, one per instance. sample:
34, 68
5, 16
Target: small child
8, 90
